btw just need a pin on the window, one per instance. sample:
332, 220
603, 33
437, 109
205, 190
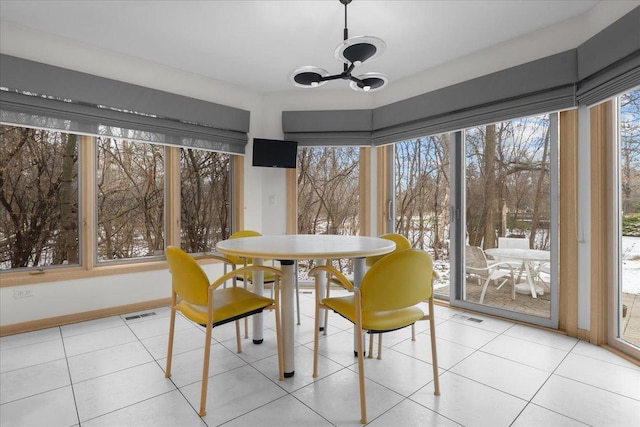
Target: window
127, 199
328, 194
328, 190
422, 199
205, 199
130, 199
508, 182
38, 198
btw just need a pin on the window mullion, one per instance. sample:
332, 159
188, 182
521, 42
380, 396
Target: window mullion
88, 230
172, 196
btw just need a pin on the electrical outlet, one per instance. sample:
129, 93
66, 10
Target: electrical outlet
22, 293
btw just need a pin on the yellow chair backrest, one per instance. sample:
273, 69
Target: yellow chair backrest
401, 244
400, 279
238, 234
188, 279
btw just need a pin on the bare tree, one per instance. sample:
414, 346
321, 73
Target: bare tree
130, 199
630, 151
38, 198
328, 194
422, 191
205, 199
508, 175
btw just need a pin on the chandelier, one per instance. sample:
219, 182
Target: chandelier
352, 52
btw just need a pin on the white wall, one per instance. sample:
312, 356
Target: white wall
76, 296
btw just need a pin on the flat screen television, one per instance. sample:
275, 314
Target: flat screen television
273, 153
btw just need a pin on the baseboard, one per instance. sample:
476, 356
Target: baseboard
50, 322
584, 335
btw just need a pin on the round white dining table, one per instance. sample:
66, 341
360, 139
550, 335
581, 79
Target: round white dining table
291, 247
527, 257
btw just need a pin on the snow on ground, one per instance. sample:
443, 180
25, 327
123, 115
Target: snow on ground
631, 265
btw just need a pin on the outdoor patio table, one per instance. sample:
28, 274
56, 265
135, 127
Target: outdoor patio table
289, 248
526, 256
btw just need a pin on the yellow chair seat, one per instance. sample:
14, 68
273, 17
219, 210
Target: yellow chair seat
228, 305
379, 321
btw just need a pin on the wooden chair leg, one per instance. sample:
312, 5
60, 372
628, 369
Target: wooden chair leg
316, 330
172, 324
205, 372
297, 292
434, 352
360, 346
238, 340
326, 312
379, 346
279, 332
370, 345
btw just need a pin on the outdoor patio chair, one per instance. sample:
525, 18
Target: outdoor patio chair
478, 266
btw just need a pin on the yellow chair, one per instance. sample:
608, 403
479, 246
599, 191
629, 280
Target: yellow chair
211, 305
386, 300
402, 243
268, 278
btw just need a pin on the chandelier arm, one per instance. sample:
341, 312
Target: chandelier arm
332, 77
348, 70
357, 80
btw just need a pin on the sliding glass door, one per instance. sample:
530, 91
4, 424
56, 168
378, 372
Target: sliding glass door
507, 219
484, 203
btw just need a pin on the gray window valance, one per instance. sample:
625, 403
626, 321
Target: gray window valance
41, 95
322, 128
606, 65
533, 88
609, 62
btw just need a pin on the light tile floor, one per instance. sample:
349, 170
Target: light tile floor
110, 372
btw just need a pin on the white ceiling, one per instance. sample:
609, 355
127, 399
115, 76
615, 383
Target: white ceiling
255, 44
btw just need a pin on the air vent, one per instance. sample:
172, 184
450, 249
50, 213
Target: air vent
470, 319
140, 316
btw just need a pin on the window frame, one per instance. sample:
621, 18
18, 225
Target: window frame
166, 195
89, 267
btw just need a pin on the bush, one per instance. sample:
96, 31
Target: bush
631, 225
